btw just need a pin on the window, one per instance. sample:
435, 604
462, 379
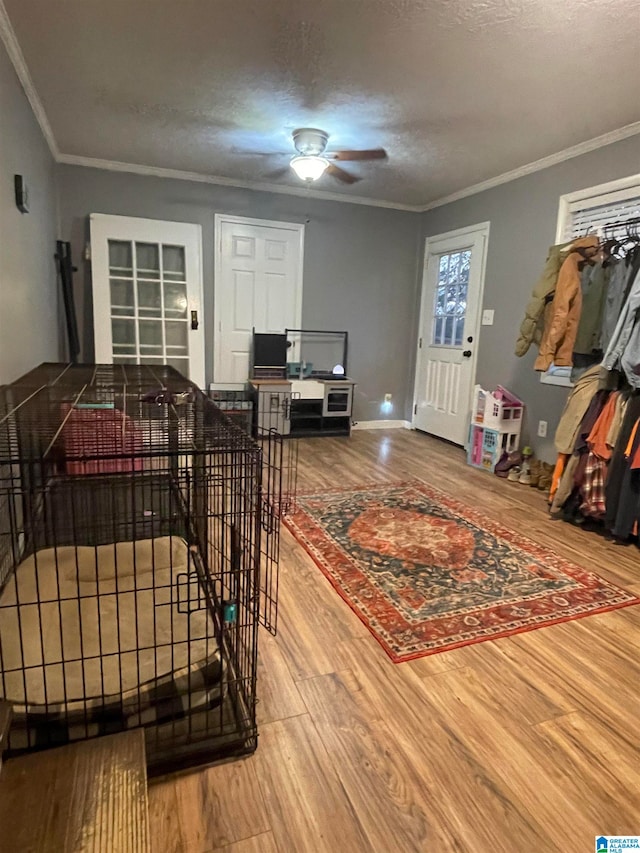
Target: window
451, 299
587, 212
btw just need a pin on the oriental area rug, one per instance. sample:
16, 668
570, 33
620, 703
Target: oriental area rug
426, 574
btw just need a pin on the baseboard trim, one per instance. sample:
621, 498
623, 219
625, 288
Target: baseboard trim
382, 425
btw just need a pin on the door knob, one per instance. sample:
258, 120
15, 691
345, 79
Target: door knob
467, 353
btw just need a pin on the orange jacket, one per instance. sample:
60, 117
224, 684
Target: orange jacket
561, 324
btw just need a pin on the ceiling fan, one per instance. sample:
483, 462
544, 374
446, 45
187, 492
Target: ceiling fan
312, 160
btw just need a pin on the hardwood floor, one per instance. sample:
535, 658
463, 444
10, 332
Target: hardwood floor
522, 744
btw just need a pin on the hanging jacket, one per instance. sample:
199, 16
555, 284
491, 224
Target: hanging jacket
618, 417
597, 439
614, 300
624, 329
561, 326
617, 497
594, 284
630, 360
575, 409
532, 324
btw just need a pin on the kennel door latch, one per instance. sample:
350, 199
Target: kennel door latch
194, 320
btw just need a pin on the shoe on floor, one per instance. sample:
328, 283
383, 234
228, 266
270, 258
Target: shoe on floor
514, 474
525, 477
507, 462
536, 471
546, 476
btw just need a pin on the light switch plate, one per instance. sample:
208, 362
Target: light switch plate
487, 317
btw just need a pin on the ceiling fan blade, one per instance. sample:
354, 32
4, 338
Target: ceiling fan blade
341, 175
370, 154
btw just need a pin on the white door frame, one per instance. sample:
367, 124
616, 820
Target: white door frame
219, 218
431, 248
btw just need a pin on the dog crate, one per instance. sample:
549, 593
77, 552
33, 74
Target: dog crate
139, 546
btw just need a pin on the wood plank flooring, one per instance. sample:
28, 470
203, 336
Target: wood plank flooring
87, 797
521, 744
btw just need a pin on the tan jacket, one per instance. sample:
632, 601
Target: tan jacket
561, 324
575, 409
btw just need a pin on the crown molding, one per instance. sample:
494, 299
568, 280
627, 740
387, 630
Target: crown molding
198, 177
8, 36
538, 165
528, 169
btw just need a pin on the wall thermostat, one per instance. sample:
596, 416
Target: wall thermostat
22, 195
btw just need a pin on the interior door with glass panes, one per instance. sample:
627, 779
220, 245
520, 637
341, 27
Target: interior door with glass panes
452, 287
147, 293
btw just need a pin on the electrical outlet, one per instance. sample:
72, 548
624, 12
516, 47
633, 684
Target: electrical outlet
387, 398
542, 428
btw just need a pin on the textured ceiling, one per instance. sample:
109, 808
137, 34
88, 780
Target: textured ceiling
457, 91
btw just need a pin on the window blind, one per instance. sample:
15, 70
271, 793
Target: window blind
588, 218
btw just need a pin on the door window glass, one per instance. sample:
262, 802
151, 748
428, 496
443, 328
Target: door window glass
450, 307
148, 285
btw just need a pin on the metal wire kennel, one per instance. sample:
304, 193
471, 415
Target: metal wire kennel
139, 545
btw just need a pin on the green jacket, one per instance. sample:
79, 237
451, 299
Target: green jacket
594, 284
533, 323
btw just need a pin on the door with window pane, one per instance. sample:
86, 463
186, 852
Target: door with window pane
449, 327
147, 293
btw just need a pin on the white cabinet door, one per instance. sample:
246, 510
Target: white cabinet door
449, 326
258, 284
147, 293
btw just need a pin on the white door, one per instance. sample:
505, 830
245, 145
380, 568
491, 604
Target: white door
452, 286
258, 284
147, 293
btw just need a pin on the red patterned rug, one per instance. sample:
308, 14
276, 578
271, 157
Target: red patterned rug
425, 573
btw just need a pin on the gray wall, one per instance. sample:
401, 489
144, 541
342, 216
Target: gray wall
29, 322
523, 216
360, 266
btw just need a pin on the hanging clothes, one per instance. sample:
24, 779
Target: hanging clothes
532, 324
576, 481
616, 422
575, 409
565, 486
561, 325
628, 508
614, 495
593, 483
624, 328
594, 285
598, 437
593, 491
558, 471
614, 300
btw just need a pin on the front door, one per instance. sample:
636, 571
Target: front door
449, 326
147, 293
258, 285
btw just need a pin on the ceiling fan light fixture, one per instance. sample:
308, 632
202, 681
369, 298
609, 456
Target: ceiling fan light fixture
309, 167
